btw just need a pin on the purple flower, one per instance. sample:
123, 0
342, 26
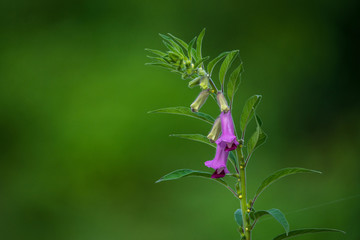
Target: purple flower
227, 137
219, 162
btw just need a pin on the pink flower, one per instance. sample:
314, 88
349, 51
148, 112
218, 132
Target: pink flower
219, 162
227, 136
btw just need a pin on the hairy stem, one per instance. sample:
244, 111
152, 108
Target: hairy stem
243, 195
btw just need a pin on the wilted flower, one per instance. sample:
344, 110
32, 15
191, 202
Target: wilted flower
215, 130
224, 107
219, 162
200, 100
228, 136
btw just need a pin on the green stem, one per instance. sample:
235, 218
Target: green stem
243, 195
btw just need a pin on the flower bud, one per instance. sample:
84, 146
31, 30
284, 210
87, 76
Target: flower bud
224, 107
215, 130
194, 82
200, 100
204, 82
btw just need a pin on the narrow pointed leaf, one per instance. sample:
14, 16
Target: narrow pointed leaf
186, 112
212, 63
161, 64
234, 82
299, 232
190, 48
181, 42
257, 139
238, 217
198, 62
172, 48
203, 139
199, 44
277, 214
258, 120
193, 54
249, 111
188, 173
195, 137
156, 52
280, 174
172, 42
225, 66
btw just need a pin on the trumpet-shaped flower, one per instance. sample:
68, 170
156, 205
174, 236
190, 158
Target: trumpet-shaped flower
227, 136
219, 162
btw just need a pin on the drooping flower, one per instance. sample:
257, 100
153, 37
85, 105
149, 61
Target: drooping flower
215, 130
200, 100
219, 162
227, 136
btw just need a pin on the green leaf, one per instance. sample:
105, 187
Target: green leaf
172, 48
172, 42
257, 139
186, 112
198, 62
199, 44
190, 48
226, 65
249, 111
280, 174
193, 54
299, 232
234, 82
156, 52
195, 137
188, 173
277, 214
162, 64
238, 217
213, 62
203, 139
181, 42
258, 120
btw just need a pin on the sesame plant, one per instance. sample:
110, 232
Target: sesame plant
232, 144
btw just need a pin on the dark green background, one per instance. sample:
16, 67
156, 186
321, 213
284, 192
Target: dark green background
79, 155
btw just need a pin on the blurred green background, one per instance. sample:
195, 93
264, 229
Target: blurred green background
79, 154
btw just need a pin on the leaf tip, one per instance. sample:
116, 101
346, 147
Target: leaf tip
160, 180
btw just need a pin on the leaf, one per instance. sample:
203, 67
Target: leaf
234, 82
180, 173
195, 137
156, 52
203, 139
190, 48
172, 42
280, 174
258, 120
249, 111
226, 65
181, 42
193, 54
162, 64
257, 139
238, 217
277, 214
186, 112
198, 62
299, 232
213, 62
172, 48
199, 44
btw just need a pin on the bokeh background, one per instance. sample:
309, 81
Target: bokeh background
79, 154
